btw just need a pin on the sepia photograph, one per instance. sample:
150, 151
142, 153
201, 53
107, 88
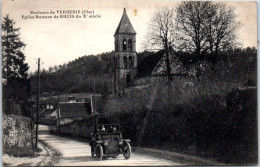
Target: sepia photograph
129, 83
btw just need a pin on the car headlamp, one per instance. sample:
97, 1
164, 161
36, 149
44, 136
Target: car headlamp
128, 140
120, 142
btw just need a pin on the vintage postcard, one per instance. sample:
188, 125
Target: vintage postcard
129, 83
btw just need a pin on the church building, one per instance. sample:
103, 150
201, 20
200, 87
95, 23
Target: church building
130, 74
125, 57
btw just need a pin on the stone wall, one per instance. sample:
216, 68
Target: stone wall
17, 135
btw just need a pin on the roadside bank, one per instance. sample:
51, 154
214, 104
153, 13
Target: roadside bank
46, 157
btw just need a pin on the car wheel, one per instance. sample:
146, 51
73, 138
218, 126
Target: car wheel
99, 152
127, 151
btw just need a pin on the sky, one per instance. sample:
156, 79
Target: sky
60, 40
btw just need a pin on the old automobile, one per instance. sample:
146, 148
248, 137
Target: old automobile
107, 141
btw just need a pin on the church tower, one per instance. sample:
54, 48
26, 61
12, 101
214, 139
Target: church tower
125, 59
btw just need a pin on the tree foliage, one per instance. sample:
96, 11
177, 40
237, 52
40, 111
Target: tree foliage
205, 28
214, 117
161, 29
77, 76
14, 68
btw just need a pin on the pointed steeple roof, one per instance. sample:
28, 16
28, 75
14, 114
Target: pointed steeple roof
125, 26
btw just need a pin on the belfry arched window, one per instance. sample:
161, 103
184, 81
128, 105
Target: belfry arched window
130, 62
130, 46
124, 45
125, 61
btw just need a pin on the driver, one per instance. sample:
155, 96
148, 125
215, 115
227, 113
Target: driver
103, 129
114, 129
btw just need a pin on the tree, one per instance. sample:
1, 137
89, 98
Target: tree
224, 28
161, 31
161, 34
189, 26
204, 27
14, 68
50, 69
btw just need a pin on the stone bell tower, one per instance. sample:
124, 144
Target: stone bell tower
125, 59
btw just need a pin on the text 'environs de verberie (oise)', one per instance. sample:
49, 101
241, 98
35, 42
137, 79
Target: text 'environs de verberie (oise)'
61, 14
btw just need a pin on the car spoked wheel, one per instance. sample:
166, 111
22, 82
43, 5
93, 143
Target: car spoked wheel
99, 152
127, 151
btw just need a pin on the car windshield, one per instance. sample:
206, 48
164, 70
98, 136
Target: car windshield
108, 128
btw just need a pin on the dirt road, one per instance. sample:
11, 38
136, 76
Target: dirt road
76, 153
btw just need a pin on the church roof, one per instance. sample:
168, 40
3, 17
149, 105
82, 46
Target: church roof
153, 65
146, 67
125, 26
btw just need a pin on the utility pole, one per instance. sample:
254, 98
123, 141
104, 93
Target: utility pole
38, 104
58, 114
94, 103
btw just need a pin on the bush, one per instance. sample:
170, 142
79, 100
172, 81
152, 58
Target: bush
215, 126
